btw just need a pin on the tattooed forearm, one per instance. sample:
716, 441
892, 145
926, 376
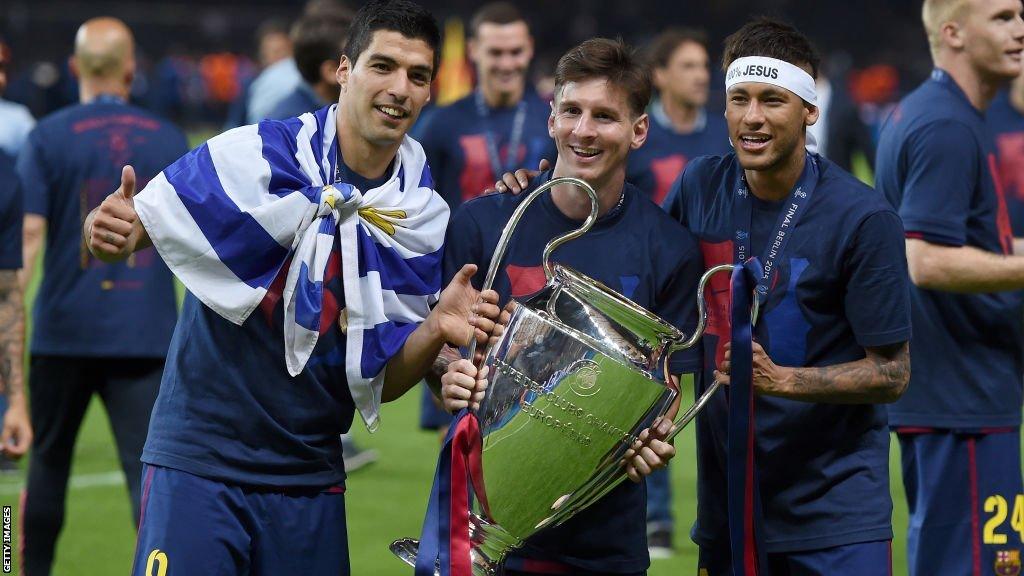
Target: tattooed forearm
12, 333
881, 377
440, 366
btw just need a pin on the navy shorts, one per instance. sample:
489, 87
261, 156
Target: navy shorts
861, 559
432, 416
966, 501
192, 525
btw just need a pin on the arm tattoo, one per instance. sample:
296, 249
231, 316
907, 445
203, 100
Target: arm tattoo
881, 377
440, 366
12, 333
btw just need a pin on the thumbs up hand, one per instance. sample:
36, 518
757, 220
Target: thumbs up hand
127, 188
113, 230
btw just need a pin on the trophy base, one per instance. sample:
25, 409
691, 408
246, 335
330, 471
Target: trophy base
489, 545
407, 548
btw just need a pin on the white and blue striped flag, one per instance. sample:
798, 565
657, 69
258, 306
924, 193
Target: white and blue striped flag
261, 200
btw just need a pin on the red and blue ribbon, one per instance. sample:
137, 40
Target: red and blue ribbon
744, 501
444, 541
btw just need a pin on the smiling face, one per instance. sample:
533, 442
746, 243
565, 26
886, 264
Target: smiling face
766, 124
502, 54
383, 92
992, 36
594, 129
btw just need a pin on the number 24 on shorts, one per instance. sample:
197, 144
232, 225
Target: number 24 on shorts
998, 508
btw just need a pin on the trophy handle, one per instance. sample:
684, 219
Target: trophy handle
510, 226
702, 318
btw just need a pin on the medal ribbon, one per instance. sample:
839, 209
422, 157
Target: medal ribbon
746, 532
792, 210
746, 536
444, 541
512, 150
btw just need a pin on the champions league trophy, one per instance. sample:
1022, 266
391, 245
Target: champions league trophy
573, 381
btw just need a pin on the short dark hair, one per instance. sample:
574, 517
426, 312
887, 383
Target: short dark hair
407, 18
774, 39
612, 60
495, 13
665, 44
315, 40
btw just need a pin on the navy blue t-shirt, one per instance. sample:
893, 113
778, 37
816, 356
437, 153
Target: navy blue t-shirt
937, 164
1006, 125
10, 215
636, 250
656, 165
454, 138
840, 286
228, 410
71, 162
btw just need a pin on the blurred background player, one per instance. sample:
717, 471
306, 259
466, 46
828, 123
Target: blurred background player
317, 42
98, 328
16, 433
959, 423
15, 119
273, 45
280, 79
831, 344
15, 124
1005, 119
499, 127
681, 130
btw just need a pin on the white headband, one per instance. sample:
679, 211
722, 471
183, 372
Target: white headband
772, 71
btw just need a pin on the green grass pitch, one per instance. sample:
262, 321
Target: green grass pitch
385, 501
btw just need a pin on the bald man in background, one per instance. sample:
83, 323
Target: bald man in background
98, 328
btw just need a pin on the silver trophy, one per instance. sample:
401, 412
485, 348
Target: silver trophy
573, 382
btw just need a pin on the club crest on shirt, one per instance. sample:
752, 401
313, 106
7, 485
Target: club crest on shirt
1008, 563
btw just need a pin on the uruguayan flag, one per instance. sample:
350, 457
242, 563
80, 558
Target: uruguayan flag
261, 200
